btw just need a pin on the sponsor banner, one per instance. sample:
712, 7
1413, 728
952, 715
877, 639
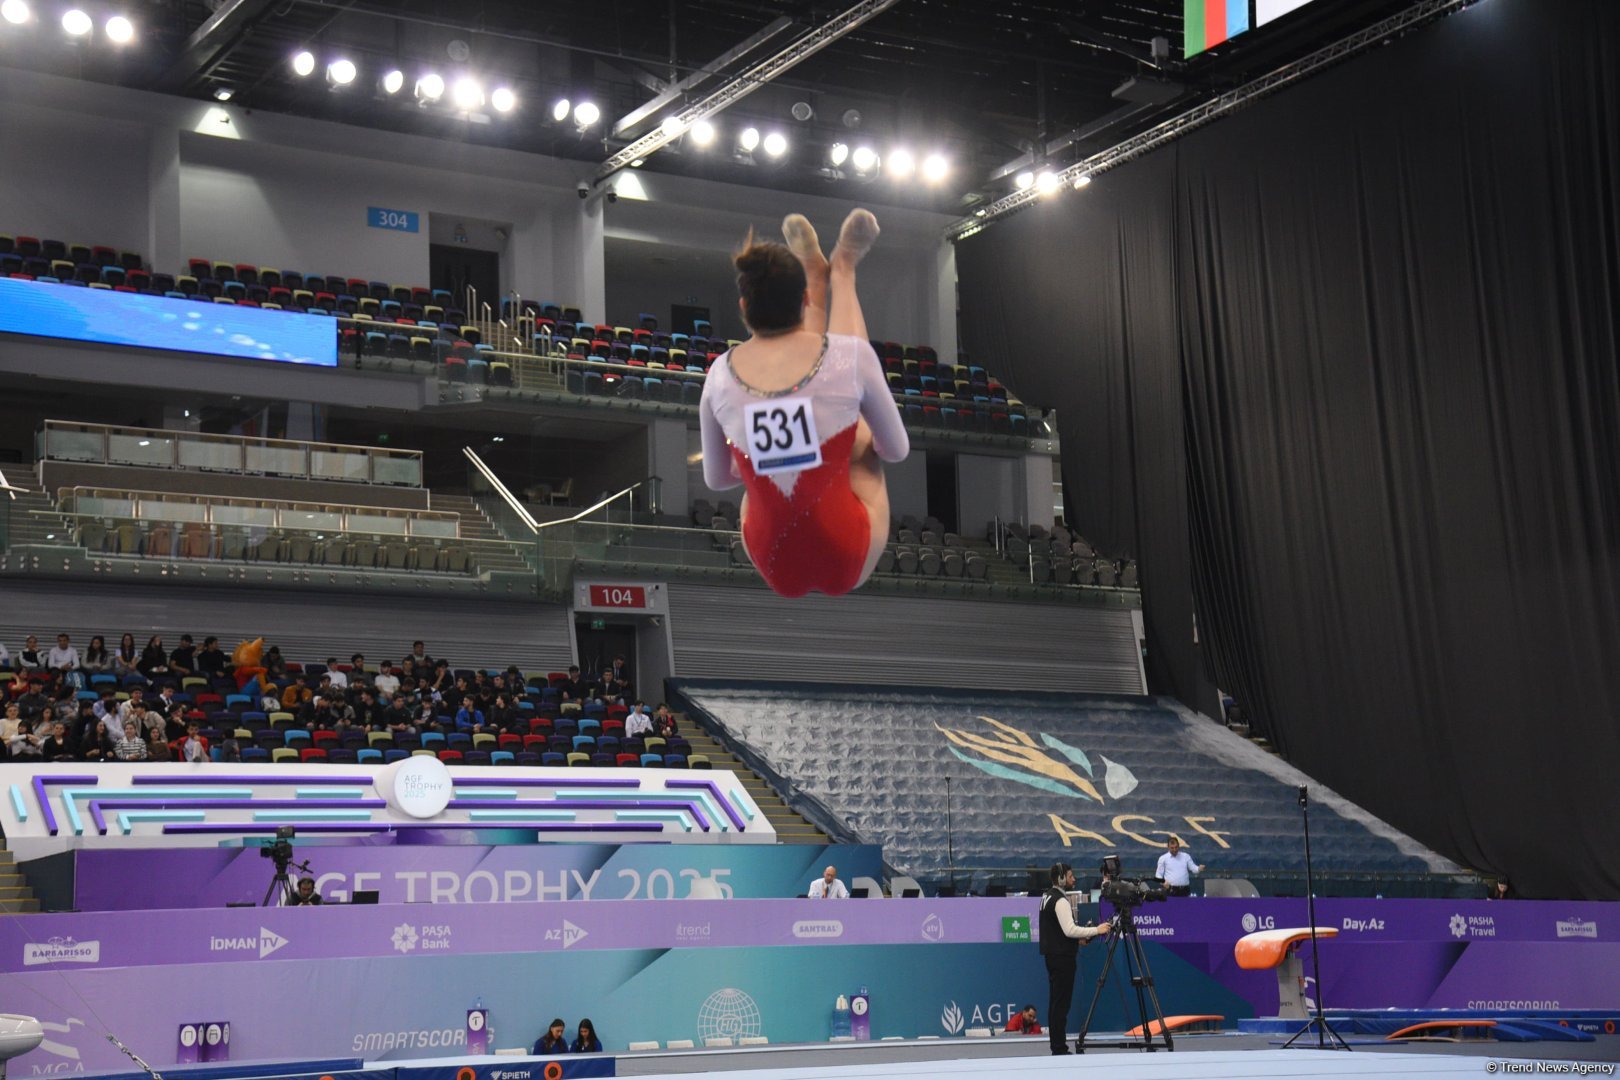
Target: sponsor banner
512, 1069
408, 873
158, 938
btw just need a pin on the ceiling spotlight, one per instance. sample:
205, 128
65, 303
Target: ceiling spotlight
15, 12
429, 88
638, 163
703, 133
748, 139
503, 99
775, 144
838, 154
341, 72
76, 22
901, 164
560, 109
802, 111
864, 158
120, 31
672, 127
1046, 182
393, 82
223, 93
1081, 181
586, 114
935, 168
1024, 180
467, 94
304, 63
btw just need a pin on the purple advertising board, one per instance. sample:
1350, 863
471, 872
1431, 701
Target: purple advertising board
112, 879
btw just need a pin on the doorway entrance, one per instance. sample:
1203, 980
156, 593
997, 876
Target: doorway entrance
457, 268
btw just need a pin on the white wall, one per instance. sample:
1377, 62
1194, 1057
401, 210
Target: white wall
72, 176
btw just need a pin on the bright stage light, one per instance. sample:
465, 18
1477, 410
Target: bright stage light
748, 139
560, 109
120, 31
1081, 181
341, 72
901, 164
430, 87
703, 133
838, 154
503, 100
393, 82
303, 63
935, 168
586, 114
76, 22
672, 127
15, 12
775, 144
467, 94
1024, 180
1047, 182
864, 159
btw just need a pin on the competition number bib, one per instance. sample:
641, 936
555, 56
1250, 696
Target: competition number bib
782, 436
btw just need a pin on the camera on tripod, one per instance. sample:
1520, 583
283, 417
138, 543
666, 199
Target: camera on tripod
1128, 893
282, 850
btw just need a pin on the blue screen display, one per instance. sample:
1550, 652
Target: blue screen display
159, 322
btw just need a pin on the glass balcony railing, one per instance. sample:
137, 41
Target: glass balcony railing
154, 448
153, 508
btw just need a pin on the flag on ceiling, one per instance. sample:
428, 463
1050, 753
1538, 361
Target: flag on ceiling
1210, 22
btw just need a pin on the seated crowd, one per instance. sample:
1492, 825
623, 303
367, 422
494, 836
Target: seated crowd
194, 704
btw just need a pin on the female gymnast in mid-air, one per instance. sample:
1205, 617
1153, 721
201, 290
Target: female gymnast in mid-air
801, 413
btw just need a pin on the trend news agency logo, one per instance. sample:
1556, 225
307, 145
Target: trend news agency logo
1049, 765
404, 937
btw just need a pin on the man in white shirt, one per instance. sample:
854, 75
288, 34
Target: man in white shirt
828, 887
386, 682
1176, 868
638, 722
64, 661
339, 679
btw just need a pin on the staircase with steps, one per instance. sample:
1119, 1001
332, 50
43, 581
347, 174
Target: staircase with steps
790, 827
16, 896
30, 515
490, 550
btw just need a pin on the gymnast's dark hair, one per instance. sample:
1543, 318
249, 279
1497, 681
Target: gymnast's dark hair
770, 280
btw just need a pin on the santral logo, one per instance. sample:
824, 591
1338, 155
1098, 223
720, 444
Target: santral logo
818, 928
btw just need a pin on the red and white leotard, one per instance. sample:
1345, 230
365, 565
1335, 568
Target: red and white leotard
806, 531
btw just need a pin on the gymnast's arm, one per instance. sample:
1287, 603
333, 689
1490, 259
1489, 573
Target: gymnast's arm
719, 471
882, 415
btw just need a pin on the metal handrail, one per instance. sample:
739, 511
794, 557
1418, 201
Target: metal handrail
495, 482
592, 509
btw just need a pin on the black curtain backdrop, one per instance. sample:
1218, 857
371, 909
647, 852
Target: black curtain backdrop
1341, 372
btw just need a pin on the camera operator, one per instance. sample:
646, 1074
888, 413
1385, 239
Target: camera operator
1176, 868
1061, 938
305, 895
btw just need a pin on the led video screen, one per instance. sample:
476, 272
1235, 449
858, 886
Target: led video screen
43, 309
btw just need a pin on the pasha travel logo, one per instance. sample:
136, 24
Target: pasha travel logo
62, 950
1472, 926
266, 943
1050, 764
1568, 928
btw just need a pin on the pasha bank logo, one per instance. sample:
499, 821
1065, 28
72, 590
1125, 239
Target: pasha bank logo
1050, 764
62, 950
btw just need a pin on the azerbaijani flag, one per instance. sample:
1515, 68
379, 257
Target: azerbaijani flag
1210, 22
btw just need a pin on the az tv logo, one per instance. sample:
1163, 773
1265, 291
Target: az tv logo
570, 935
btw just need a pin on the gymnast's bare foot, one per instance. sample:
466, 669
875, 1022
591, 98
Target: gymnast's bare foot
856, 237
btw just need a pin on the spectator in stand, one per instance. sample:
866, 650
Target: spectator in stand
440, 681
157, 746
153, 661
164, 703
1024, 1022
8, 726
554, 1041
638, 722
418, 664
153, 723
1502, 890
211, 661
126, 658
30, 658
137, 696
612, 690
63, 662
132, 746
25, 744
96, 659
577, 688
620, 673
305, 896
5, 657
664, 725
501, 713
469, 717
183, 661
586, 1042
340, 715
297, 694
59, 745
275, 665
1176, 868
357, 670
193, 747
398, 718
86, 737
386, 682
32, 701
339, 679
370, 714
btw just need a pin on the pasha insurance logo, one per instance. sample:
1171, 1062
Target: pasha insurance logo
404, 938
266, 943
818, 928
64, 950
1580, 928
951, 1019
